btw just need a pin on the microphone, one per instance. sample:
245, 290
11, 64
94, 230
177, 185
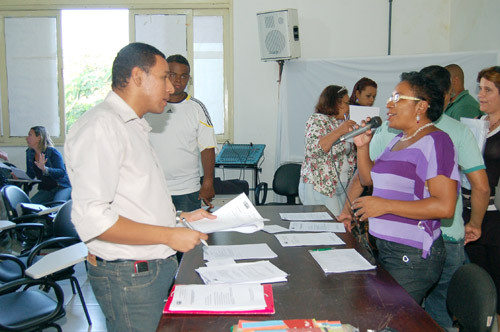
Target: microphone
374, 122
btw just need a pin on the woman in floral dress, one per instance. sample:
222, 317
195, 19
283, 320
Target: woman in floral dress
328, 167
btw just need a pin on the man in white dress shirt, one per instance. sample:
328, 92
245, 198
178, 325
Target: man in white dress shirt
122, 208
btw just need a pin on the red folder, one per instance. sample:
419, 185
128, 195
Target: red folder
268, 296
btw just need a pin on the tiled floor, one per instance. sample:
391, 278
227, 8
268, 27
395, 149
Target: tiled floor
75, 320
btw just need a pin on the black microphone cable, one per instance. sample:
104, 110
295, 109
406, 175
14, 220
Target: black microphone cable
361, 238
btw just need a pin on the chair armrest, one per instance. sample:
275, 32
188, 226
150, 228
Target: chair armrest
260, 187
59, 241
58, 260
14, 259
54, 203
28, 282
38, 227
25, 217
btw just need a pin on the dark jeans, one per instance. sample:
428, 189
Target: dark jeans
132, 301
435, 302
56, 194
414, 273
187, 202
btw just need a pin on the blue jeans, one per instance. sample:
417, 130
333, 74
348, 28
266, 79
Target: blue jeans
435, 302
132, 301
56, 194
187, 202
405, 264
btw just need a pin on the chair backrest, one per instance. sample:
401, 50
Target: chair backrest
472, 298
286, 181
63, 227
12, 196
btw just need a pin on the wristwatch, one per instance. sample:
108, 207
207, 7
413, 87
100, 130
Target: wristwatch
178, 216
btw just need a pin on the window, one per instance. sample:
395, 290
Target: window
35, 90
87, 55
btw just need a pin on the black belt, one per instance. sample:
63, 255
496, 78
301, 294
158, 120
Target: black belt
99, 259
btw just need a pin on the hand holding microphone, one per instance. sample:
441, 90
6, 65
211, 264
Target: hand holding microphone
374, 122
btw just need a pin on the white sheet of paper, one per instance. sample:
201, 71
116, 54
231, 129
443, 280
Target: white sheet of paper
341, 260
239, 251
220, 261
298, 226
238, 214
306, 216
218, 297
360, 113
242, 273
308, 239
274, 229
20, 174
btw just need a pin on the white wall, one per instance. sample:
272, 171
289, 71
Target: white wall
339, 29
342, 28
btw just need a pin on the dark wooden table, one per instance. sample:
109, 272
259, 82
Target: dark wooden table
367, 300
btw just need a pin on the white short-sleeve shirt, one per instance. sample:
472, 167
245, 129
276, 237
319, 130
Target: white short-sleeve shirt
188, 130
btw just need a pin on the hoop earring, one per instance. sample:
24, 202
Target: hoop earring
418, 118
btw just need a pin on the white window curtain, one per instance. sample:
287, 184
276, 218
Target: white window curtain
32, 77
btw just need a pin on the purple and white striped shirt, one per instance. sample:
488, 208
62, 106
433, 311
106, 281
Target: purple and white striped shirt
401, 175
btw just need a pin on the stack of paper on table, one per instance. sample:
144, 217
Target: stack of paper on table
221, 299
297, 226
340, 260
238, 215
242, 273
309, 239
306, 216
239, 251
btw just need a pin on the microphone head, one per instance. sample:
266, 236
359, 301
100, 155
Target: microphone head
375, 122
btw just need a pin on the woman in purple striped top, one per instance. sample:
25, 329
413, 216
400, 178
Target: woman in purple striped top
415, 184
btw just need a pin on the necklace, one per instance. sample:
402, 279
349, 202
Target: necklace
406, 138
493, 125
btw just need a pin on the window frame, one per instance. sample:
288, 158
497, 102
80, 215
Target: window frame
5, 138
36, 8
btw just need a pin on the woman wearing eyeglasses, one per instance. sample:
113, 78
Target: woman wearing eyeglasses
326, 165
364, 92
415, 184
486, 251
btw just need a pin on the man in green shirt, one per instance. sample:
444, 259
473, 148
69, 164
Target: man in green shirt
462, 104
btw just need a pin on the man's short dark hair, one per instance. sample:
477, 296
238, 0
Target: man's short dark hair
133, 55
179, 59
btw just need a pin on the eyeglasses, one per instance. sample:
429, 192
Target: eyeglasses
397, 97
183, 77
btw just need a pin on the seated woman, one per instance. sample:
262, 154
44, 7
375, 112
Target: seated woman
415, 184
45, 163
364, 92
327, 164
